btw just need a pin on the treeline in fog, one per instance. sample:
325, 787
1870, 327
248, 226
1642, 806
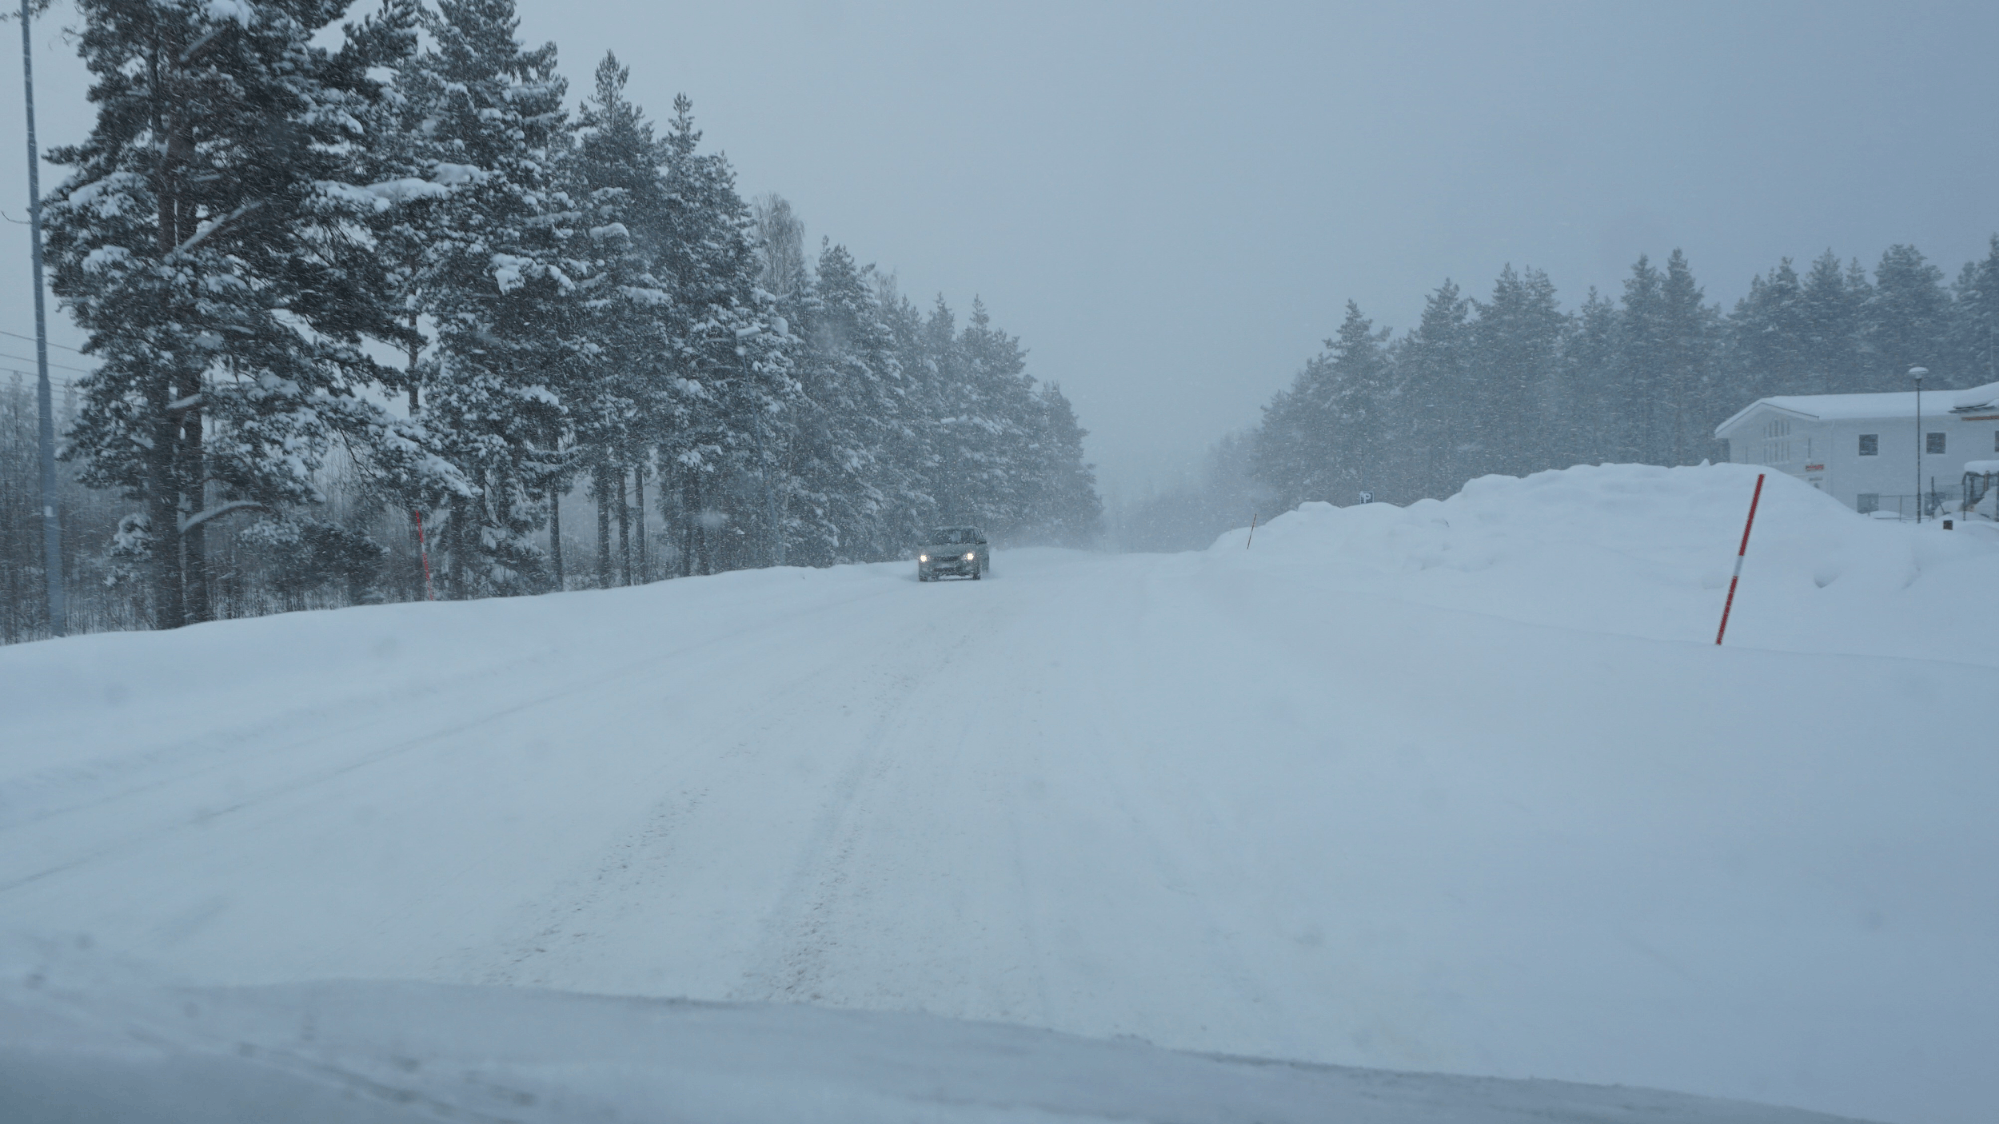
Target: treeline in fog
1515, 384
332, 293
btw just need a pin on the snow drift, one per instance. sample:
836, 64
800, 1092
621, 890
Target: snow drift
1646, 551
1464, 787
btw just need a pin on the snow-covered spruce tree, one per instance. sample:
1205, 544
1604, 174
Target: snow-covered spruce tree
1065, 508
496, 277
1592, 421
1325, 439
941, 395
1832, 306
1691, 330
1642, 356
991, 423
1436, 370
784, 279
915, 453
852, 386
720, 414
1974, 332
1907, 319
215, 247
1768, 346
1518, 338
1281, 449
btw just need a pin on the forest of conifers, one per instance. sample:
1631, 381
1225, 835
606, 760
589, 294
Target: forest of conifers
333, 298
1514, 384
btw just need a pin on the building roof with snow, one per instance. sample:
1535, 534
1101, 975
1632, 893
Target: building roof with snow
1893, 404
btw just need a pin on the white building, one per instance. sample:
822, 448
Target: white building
1862, 448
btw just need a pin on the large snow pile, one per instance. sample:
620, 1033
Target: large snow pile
1461, 788
1647, 551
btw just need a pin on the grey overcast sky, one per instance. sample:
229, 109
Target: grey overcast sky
1171, 203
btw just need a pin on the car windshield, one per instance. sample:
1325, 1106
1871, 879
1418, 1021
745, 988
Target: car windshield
946, 536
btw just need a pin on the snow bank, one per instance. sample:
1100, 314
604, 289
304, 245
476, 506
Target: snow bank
1646, 551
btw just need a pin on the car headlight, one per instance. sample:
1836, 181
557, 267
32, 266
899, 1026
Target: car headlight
923, 558
968, 556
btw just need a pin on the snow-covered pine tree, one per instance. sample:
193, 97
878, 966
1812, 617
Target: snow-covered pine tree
496, 278
915, 454
731, 383
214, 244
404, 469
619, 383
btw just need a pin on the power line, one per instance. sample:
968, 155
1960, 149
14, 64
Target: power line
64, 366
30, 339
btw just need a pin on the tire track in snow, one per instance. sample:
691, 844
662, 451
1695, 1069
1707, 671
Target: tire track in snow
181, 820
800, 932
620, 889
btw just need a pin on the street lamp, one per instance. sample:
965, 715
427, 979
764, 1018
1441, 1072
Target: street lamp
1917, 374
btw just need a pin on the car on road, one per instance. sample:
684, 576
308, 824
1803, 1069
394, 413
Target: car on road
959, 551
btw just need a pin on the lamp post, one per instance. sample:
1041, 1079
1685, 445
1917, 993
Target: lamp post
1917, 374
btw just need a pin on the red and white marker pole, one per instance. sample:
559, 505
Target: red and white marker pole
1739, 552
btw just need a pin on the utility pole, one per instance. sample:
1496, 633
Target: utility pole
44, 397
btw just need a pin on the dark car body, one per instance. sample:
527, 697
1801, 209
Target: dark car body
960, 551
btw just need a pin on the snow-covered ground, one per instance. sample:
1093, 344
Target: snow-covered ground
1464, 787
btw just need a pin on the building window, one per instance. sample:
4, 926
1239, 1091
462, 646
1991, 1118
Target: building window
1933, 444
1870, 446
1867, 501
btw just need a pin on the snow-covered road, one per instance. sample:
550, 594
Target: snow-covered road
1254, 802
